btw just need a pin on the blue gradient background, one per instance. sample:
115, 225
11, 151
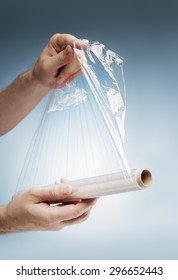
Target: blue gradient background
139, 225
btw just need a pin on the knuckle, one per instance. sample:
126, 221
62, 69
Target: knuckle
52, 193
31, 192
54, 36
52, 44
15, 196
65, 36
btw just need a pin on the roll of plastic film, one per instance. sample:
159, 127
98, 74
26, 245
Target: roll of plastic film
111, 184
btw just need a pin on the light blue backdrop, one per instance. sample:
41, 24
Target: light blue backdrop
139, 225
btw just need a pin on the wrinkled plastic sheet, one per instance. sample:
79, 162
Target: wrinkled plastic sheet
81, 134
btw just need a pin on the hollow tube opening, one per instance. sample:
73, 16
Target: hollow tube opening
144, 177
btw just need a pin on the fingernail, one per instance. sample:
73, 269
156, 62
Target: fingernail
63, 180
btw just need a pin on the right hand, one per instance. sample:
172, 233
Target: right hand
58, 63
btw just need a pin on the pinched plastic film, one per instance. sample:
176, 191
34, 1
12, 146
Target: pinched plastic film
82, 132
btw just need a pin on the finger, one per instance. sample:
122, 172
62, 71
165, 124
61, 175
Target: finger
77, 220
61, 59
60, 41
69, 72
63, 180
58, 182
71, 211
63, 79
53, 193
60, 225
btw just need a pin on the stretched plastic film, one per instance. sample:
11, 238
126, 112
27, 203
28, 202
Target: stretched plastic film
81, 135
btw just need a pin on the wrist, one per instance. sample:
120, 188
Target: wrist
33, 80
4, 227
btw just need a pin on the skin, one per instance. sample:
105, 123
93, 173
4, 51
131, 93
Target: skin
34, 209
56, 65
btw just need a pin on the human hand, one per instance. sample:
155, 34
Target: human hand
58, 63
32, 210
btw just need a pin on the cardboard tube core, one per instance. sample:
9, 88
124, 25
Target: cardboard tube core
144, 177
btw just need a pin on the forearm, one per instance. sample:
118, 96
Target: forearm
18, 99
8, 223
56, 66
3, 221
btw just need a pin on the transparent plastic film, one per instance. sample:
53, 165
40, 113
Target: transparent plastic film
81, 134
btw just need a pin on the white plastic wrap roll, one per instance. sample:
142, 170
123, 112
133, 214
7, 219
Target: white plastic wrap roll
111, 184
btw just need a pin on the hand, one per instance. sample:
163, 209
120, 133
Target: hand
32, 210
58, 63
56, 66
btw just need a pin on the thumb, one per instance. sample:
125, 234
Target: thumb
61, 59
53, 193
